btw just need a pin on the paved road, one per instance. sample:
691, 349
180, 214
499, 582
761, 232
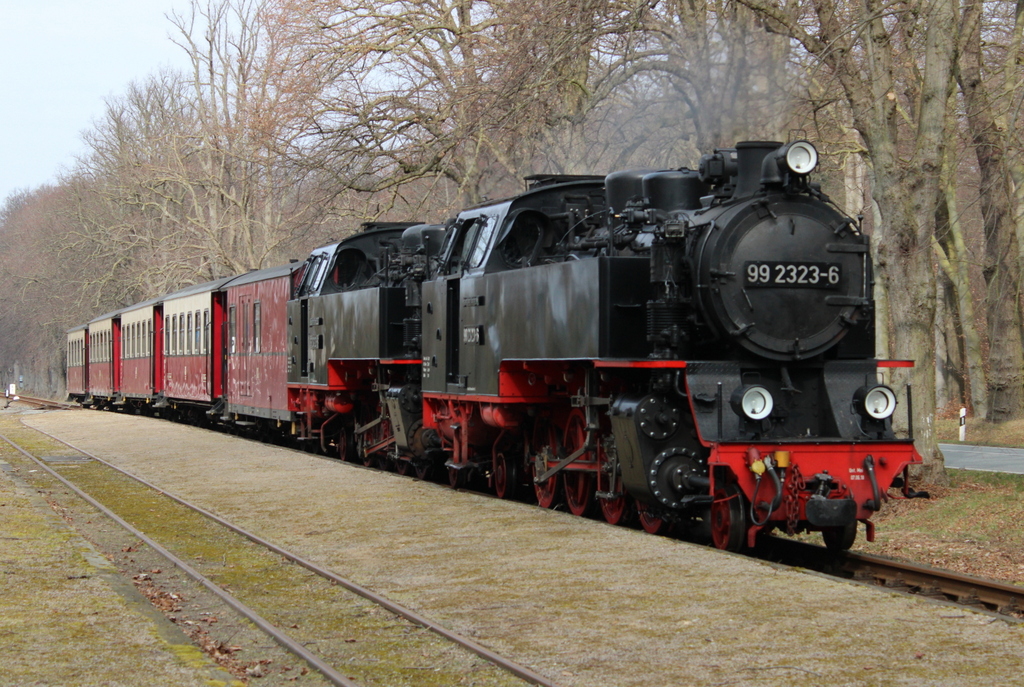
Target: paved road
990, 458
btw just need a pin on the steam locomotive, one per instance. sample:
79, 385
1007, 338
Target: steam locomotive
693, 348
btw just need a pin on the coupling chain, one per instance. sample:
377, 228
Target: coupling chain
794, 484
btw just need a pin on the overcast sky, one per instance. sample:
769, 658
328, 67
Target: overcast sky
60, 60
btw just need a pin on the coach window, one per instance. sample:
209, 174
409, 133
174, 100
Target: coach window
257, 326
245, 340
167, 334
232, 324
181, 333
188, 334
206, 330
197, 336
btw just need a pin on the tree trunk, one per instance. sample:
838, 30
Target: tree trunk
1001, 268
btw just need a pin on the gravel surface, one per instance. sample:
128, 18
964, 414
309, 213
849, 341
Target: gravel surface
580, 601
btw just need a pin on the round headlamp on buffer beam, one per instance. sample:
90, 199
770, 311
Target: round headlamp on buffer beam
875, 404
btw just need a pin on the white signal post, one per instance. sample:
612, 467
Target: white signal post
963, 424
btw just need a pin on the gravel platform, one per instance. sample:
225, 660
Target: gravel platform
577, 600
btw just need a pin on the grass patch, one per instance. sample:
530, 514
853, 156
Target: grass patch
981, 432
968, 525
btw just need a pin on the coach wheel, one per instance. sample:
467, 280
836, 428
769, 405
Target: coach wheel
456, 478
424, 468
579, 487
547, 492
728, 522
346, 447
367, 459
650, 523
545, 436
840, 538
505, 476
616, 510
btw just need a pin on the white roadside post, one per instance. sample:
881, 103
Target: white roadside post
963, 424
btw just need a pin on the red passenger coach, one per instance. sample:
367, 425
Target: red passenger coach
104, 360
256, 355
141, 363
77, 359
192, 326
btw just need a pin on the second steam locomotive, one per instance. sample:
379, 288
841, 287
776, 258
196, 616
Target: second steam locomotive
695, 347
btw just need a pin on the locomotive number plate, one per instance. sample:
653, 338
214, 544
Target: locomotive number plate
800, 275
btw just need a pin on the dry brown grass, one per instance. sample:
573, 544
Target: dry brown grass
969, 525
981, 432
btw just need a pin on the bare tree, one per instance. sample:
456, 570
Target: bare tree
987, 103
899, 108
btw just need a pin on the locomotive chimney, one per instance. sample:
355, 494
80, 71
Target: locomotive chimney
751, 155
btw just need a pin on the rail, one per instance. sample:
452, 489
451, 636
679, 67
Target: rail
397, 609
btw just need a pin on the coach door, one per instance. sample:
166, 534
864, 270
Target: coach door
245, 346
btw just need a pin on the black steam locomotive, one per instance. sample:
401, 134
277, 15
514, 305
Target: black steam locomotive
695, 347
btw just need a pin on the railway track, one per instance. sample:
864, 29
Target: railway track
999, 598
334, 664
47, 404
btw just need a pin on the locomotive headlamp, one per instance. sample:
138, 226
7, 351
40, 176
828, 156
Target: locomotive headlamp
876, 402
801, 157
753, 402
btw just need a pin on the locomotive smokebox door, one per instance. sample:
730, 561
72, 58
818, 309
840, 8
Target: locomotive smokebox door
783, 279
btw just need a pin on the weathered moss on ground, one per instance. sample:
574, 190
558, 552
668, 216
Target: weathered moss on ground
61, 621
368, 644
